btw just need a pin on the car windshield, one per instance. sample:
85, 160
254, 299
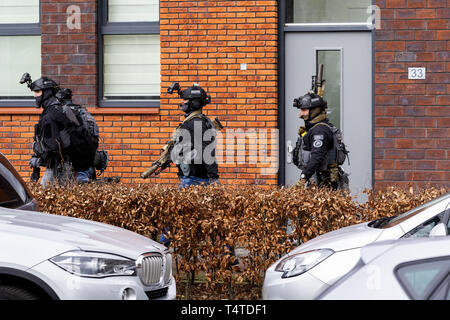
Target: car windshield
388, 222
12, 192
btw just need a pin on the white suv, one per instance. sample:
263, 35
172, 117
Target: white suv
311, 268
45, 256
49, 256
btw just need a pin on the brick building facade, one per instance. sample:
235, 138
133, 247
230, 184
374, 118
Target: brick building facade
412, 117
232, 49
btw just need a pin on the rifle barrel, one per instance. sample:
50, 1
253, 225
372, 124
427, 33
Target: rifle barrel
320, 75
149, 171
217, 124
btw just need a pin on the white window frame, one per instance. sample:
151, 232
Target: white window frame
328, 26
120, 28
20, 29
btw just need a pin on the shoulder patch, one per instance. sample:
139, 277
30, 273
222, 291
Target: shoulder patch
318, 137
317, 143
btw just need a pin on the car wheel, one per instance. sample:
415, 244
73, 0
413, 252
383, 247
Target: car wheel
15, 293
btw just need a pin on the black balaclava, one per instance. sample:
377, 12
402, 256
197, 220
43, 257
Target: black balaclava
42, 100
185, 107
196, 97
191, 105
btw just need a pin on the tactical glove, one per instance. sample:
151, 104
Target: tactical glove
36, 174
35, 162
303, 182
302, 131
213, 181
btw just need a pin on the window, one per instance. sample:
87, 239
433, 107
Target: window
332, 60
133, 10
423, 230
328, 11
20, 50
421, 278
415, 211
129, 58
12, 192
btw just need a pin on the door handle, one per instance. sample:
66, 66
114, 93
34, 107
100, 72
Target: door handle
289, 149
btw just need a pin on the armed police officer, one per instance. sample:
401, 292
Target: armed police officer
319, 151
51, 137
194, 148
53, 133
193, 144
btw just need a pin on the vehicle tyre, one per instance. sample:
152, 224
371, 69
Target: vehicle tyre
15, 293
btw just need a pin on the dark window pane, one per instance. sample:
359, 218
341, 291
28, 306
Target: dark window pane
12, 192
421, 278
327, 11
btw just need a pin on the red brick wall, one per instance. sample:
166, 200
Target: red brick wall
412, 117
206, 42
201, 41
69, 57
16, 135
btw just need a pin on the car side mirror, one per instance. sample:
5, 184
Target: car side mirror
439, 230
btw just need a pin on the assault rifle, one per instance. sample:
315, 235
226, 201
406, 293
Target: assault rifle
162, 163
318, 83
164, 160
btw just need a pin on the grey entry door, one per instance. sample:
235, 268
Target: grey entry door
347, 59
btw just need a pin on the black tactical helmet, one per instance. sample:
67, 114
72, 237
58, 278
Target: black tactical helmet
310, 101
40, 84
43, 84
196, 95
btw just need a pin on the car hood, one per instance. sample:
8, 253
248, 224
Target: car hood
355, 236
61, 234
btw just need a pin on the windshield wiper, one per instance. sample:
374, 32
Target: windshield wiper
379, 223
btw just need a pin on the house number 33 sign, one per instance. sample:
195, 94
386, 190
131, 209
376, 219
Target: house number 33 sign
416, 73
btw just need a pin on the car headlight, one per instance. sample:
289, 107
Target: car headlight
168, 271
299, 263
95, 264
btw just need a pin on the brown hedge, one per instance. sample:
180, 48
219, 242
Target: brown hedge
206, 222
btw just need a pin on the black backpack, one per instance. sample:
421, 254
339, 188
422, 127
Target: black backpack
84, 136
339, 152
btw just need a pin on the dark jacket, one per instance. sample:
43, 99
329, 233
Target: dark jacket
50, 133
318, 140
202, 164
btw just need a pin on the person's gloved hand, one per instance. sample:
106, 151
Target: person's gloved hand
213, 181
302, 182
302, 131
36, 174
35, 162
